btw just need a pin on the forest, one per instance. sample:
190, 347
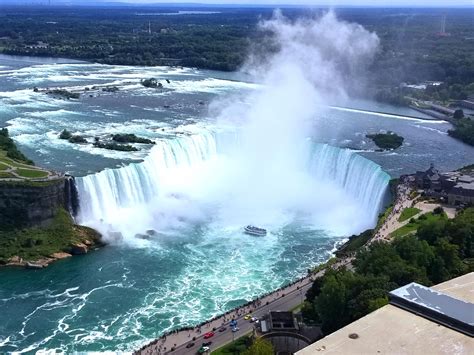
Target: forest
412, 47
441, 250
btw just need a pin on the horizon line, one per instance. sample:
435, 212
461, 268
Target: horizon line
73, 3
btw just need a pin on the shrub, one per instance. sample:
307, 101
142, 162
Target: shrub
438, 210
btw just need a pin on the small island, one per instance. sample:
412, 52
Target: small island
62, 93
118, 141
151, 83
116, 146
463, 129
387, 140
66, 135
131, 138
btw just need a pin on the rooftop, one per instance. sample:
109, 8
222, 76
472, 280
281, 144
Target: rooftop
391, 329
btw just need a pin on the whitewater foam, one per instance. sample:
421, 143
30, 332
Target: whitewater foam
185, 180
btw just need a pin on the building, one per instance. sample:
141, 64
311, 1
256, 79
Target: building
463, 192
429, 179
467, 104
454, 187
418, 320
286, 332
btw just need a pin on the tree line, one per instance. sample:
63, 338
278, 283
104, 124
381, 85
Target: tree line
411, 50
441, 249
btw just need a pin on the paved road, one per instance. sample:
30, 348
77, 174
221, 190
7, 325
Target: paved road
285, 303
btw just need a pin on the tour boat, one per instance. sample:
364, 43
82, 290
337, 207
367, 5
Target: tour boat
255, 231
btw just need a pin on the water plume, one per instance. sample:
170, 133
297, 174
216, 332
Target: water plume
268, 171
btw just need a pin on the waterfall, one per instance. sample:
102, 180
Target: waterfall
359, 177
101, 194
71, 195
105, 194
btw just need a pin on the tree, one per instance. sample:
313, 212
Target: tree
331, 303
431, 231
367, 301
260, 347
458, 114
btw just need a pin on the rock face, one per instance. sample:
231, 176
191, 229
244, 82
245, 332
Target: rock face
79, 249
26, 204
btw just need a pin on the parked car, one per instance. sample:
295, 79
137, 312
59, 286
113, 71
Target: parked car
208, 335
190, 345
222, 329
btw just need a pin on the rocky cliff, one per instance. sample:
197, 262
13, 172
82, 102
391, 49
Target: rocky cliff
26, 204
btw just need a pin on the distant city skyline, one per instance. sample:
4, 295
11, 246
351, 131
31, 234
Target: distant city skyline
373, 3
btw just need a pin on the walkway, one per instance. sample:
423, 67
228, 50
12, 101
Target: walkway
12, 171
403, 201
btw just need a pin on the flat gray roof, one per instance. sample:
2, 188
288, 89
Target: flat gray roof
392, 330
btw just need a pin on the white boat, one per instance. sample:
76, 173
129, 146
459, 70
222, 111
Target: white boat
252, 230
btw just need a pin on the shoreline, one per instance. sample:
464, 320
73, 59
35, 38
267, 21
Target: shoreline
76, 249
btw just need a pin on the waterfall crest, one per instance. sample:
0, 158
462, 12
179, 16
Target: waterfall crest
102, 194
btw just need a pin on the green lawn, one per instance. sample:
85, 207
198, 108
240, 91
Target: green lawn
407, 213
31, 173
23, 170
354, 243
406, 229
235, 347
11, 162
412, 227
4, 174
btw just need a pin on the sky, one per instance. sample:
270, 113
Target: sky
408, 3
378, 3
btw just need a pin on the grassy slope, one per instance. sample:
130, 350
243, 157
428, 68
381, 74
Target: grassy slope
35, 243
23, 170
31, 173
407, 213
354, 243
412, 227
383, 217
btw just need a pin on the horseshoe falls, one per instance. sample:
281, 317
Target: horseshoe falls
199, 179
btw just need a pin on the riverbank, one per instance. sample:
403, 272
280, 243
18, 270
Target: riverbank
37, 247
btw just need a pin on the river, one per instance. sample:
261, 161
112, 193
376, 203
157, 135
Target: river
180, 205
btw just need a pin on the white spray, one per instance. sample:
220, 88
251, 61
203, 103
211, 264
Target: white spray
269, 178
